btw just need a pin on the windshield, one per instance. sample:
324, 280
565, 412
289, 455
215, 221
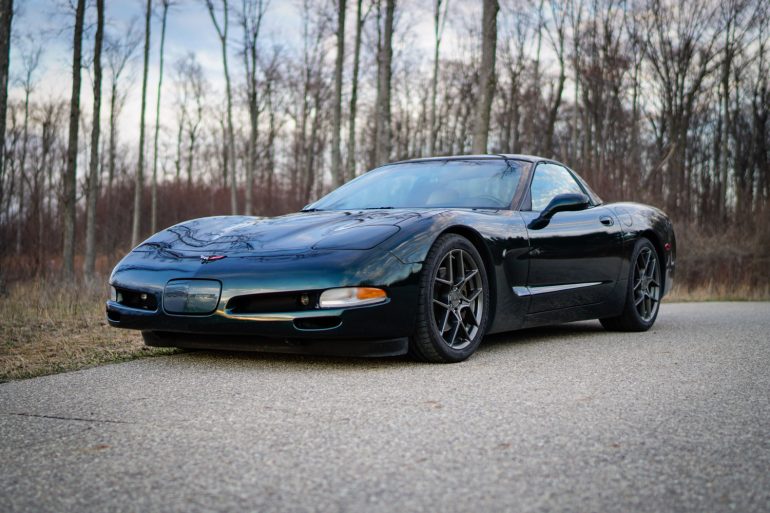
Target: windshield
479, 183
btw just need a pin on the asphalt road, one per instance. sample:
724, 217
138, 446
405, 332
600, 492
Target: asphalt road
560, 419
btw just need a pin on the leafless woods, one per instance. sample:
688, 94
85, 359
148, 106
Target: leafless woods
657, 101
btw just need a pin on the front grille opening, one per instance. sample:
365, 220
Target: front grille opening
137, 299
273, 303
318, 323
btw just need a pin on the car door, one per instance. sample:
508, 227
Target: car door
576, 258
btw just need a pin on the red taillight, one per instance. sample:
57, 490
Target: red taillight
667, 246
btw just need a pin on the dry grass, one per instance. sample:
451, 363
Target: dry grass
714, 291
48, 327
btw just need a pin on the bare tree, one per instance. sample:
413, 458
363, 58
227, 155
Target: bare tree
557, 42
154, 187
680, 49
139, 178
384, 73
70, 175
6, 19
92, 191
439, 23
30, 61
191, 88
351, 158
252, 13
338, 173
119, 52
486, 75
222, 32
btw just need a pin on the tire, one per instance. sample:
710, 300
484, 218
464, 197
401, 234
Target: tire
453, 311
643, 291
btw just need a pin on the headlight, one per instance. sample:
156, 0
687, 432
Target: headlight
191, 296
351, 296
113, 294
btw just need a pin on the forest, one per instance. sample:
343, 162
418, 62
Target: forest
663, 102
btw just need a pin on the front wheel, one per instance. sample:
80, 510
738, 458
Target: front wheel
643, 292
453, 304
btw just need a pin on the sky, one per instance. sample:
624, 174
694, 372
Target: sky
49, 23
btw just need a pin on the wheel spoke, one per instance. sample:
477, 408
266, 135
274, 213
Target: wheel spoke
468, 277
476, 293
652, 267
461, 269
465, 329
446, 320
442, 305
443, 281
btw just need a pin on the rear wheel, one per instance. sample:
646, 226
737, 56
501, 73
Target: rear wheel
453, 304
643, 292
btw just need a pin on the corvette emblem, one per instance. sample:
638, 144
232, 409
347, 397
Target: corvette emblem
205, 259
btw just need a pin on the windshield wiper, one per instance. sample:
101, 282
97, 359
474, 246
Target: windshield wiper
375, 208
311, 210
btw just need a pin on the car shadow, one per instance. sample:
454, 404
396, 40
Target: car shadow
543, 334
491, 343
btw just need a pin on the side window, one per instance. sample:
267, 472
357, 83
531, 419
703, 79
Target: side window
549, 181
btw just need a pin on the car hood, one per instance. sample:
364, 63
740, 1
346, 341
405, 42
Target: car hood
289, 234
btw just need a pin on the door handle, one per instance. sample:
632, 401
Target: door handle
606, 220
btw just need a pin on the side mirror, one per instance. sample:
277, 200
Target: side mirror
560, 203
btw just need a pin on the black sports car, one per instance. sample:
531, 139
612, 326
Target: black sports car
424, 256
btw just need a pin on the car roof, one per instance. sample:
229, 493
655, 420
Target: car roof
500, 156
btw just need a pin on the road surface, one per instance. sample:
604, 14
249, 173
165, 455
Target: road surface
560, 419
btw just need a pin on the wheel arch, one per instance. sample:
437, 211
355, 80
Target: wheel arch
477, 240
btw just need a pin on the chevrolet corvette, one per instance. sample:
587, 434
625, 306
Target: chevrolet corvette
423, 257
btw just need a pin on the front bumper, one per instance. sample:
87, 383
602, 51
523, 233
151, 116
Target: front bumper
376, 329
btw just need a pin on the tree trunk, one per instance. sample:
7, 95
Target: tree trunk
139, 179
558, 90
385, 61
338, 174
93, 175
252, 14
23, 163
154, 186
113, 136
70, 175
222, 32
486, 76
351, 161
438, 30
6, 19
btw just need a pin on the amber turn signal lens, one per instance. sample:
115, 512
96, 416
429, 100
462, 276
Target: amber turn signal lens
365, 293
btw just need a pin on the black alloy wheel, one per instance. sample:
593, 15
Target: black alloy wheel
454, 302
